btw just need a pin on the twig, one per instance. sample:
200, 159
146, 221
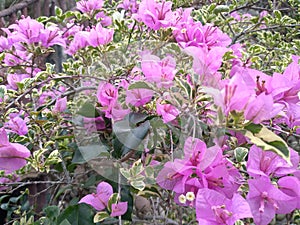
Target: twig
119, 191
16, 7
22, 184
243, 7
66, 172
249, 31
172, 146
127, 156
283, 131
76, 90
229, 25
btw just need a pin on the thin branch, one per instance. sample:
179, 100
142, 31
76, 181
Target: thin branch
283, 131
135, 220
228, 24
244, 7
76, 90
249, 30
16, 7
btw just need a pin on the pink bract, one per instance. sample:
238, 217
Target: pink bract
88, 6
107, 94
100, 36
267, 163
60, 105
213, 208
138, 97
12, 155
167, 111
119, 209
265, 200
99, 199
160, 71
155, 14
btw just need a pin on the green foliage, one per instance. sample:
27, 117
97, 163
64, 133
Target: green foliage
100, 216
240, 154
267, 140
80, 214
84, 154
130, 133
269, 40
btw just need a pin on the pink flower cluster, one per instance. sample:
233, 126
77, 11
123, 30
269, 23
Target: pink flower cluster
207, 181
30, 31
17, 124
159, 72
96, 36
100, 200
261, 97
89, 6
266, 199
186, 31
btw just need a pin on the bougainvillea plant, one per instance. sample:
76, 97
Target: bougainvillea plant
160, 112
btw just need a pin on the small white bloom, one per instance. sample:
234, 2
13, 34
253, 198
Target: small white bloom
182, 199
190, 196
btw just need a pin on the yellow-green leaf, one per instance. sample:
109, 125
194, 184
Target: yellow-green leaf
267, 140
112, 200
100, 216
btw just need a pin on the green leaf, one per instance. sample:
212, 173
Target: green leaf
139, 85
58, 11
185, 86
221, 8
136, 118
20, 85
150, 191
117, 36
240, 153
256, 49
52, 211
267, 140
112, 200
100, 216
254, 128
2, 91
69, 14
42, 19
149, 171
239, 222
81, 214
53, 158
137, 168
277, 14
211, 7
129, 136
88, 110
65, 222
139, 185
125, 173
84, 154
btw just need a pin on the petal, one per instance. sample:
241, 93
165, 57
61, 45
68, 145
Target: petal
205, 199
3, 137
104, 191
261, 218
92, 200
240, 208
119, 209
